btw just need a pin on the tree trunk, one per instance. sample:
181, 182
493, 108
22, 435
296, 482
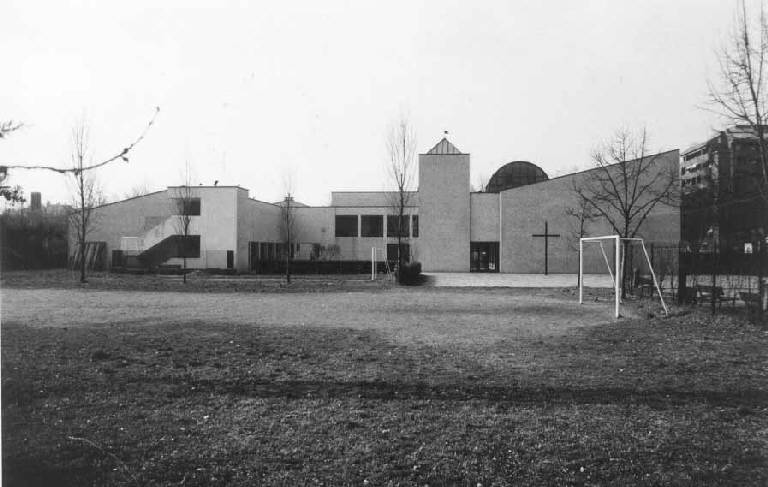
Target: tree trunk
400, 259
288, 263
82, 237
683, 259
626, 263
714, 276
82, 262
288, 245
760, 283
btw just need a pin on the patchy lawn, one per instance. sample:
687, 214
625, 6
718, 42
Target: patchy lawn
401, 387
196, 282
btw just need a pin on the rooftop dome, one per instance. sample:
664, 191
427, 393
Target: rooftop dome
514, 174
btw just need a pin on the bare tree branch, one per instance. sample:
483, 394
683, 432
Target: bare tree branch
8, 127
740, 94
122, 155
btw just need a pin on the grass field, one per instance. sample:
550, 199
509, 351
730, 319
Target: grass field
378, 386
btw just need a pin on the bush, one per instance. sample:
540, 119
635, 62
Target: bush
410, 274
319, 267
33, 240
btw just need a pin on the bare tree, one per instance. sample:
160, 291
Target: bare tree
138, 190
288, 230
580, 216
401, 149
481, 183
86, 194
626, 184
741, 93
184, 206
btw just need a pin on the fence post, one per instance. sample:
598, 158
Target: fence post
760, 284
682, 274
714, 276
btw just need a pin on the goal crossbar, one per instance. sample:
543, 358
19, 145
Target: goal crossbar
618, 272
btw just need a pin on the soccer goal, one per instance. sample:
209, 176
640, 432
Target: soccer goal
618, 266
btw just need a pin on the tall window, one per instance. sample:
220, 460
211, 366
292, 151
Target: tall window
346, 225
415, 226
189, 207
393, 229
371, 226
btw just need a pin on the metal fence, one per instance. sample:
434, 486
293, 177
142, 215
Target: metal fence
724, 280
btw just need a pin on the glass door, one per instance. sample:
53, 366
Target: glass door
484, 256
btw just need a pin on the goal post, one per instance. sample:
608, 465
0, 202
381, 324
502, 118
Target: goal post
373, 263
618, 269
616, 274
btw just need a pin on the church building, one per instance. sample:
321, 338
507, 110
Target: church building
522, 223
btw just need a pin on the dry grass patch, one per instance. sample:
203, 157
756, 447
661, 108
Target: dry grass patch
392, 398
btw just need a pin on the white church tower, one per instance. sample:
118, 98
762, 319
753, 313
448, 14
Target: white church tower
444, 209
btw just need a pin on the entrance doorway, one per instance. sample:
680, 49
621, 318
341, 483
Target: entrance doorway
393, 256
484, 256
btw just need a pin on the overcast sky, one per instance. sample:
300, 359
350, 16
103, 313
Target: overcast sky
252, 91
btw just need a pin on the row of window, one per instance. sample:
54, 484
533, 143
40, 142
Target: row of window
271, 251
373, 226
275, 251
693, 181
695, 167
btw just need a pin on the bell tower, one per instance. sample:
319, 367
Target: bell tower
444, 209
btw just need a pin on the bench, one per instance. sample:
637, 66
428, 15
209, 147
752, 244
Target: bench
643, 282
704, 295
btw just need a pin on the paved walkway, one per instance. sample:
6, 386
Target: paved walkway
467, 279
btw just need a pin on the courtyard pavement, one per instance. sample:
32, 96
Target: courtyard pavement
480, 279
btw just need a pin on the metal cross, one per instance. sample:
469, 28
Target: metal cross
546, 236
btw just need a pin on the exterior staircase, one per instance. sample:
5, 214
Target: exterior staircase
153, 248
160, 252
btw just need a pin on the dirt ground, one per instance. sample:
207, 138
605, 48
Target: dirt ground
400, 386
483, 315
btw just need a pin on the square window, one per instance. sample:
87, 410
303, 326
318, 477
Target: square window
371, 226
186, 206
346, 225
395, 230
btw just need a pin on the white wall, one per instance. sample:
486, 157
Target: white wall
216, 225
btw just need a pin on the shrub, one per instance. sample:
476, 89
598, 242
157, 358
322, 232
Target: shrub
410, 274
319, 267
33, 240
